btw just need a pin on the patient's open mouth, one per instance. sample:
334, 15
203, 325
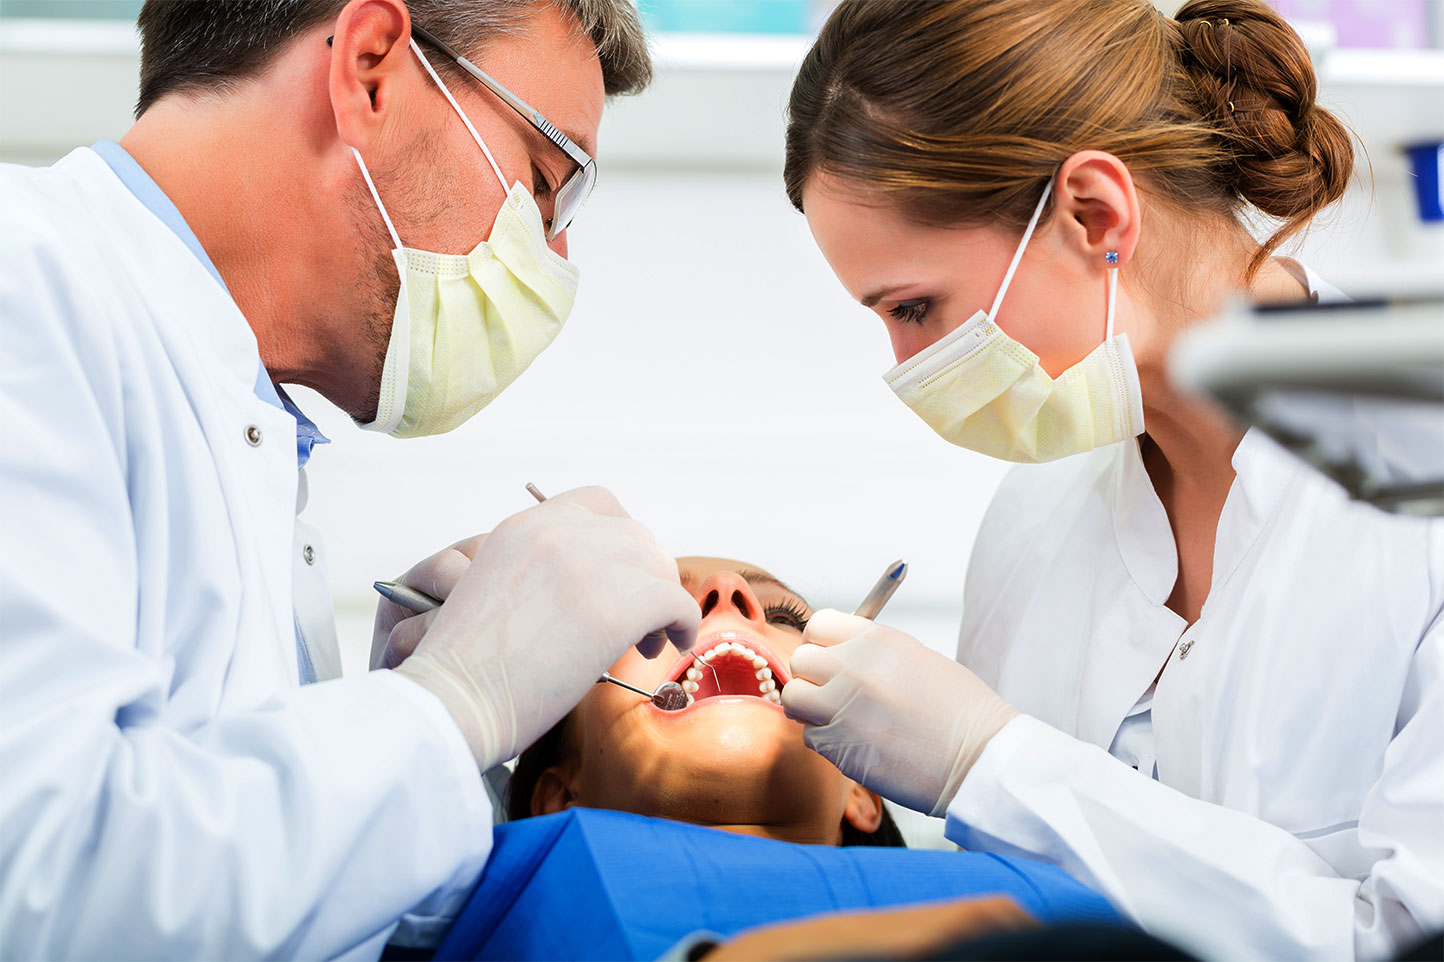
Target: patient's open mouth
729, 663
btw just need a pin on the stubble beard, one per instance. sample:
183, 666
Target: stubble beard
409, 204
380, 288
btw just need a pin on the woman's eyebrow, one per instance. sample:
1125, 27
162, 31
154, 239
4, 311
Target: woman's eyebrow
753, 576
871, 300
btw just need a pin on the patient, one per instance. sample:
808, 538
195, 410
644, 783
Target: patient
600, 805
732, 759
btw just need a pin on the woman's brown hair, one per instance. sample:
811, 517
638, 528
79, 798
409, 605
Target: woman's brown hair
957, 111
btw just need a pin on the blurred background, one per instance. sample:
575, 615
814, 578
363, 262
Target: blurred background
714, 374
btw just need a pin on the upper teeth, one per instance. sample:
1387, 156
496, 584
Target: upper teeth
766, 684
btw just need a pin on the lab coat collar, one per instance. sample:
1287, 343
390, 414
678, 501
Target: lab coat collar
216, 327
148, 192
307, 434
1263, 473
1140, 524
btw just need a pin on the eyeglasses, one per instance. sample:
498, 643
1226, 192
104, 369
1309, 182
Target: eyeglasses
574, 192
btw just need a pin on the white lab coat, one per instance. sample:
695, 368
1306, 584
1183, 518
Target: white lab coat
168, 789
1298, 729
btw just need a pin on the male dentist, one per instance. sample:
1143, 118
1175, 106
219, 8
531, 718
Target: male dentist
316, 192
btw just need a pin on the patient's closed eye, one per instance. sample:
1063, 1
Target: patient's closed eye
788, 615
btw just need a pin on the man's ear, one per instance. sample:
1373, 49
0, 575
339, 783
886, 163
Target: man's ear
369, 50
1097, 207
553, 791
864, 809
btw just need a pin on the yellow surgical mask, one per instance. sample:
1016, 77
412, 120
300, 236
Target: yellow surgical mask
980, 389
466, 325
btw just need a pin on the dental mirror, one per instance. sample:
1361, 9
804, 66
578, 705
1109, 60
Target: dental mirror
669, 696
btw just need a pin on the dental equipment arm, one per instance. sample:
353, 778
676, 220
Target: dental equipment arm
1354, 389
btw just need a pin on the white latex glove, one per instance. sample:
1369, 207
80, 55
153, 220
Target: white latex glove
397, 630
890, 712
553, 597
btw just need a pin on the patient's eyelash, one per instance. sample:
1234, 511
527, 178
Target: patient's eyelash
910, 312
788, 614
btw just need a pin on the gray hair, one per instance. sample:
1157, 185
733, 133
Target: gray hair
188, 45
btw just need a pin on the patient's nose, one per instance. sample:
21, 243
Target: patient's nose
726, 592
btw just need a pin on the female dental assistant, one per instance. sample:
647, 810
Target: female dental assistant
1197, 676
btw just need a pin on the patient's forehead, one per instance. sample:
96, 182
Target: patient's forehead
695, 569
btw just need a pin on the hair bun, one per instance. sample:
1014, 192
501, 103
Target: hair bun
1256, 83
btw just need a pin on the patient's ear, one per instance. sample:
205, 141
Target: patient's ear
864, 809
553, 791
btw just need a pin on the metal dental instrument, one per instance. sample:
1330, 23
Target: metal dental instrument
669, 696
871, 606
419, 601
408, 598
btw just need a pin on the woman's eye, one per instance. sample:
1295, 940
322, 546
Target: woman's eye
910, 312
787, 617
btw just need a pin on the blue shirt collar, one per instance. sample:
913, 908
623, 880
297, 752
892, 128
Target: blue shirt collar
148, 192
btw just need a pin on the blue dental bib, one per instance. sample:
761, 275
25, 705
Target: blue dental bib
592, 884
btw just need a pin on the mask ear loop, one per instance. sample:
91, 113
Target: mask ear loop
390, 228
1018, 254
446, 92
1112, 300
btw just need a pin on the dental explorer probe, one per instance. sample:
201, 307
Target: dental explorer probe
419, 601
871, 606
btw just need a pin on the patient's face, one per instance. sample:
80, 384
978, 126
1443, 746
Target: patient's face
731, 758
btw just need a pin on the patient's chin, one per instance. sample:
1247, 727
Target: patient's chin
748, 729
725, 760
740, 769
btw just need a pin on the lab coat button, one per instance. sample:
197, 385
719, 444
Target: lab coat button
253, 435
309, 553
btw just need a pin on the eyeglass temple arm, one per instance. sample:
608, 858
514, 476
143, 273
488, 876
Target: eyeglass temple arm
511, 99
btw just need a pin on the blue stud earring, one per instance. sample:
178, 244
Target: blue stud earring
1111, 257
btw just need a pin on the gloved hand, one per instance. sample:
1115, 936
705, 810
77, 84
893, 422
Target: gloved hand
397, 630
890, 712
553, 597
